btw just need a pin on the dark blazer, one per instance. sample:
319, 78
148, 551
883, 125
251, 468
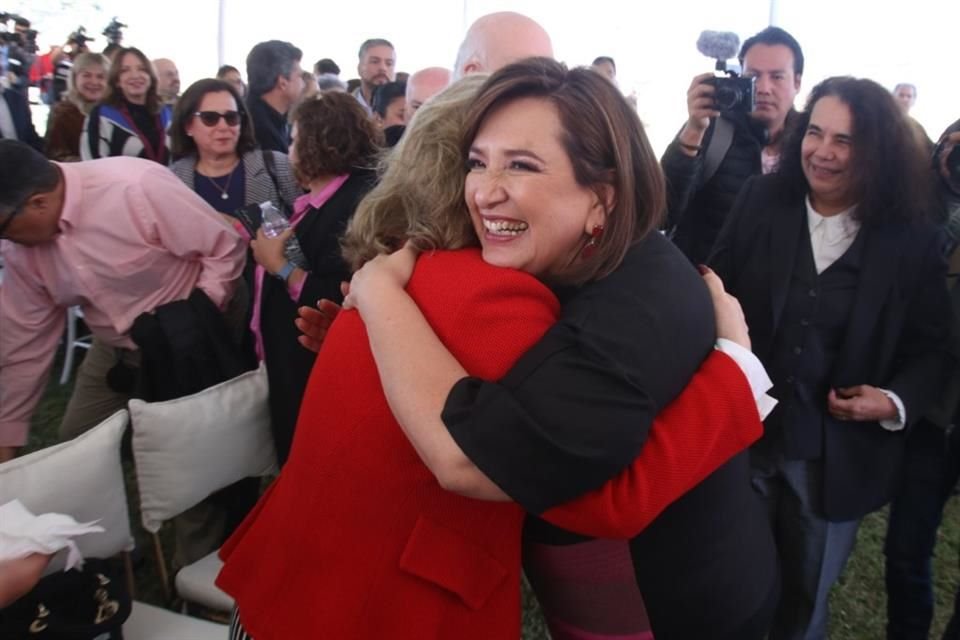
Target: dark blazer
894, 338
288, 363
22, 119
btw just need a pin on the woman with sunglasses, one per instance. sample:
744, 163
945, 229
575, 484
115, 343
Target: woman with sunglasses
215, 152
130, 120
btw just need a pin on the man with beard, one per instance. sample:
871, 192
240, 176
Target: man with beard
376, 67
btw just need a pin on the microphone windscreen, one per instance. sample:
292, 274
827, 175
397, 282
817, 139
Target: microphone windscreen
720, 45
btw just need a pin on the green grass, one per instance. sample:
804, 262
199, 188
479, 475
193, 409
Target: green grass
858, 603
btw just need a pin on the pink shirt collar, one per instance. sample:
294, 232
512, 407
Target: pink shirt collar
317, 200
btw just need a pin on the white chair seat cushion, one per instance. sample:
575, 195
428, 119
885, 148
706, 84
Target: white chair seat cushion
187, 448
194, 583
147, 622
82, 478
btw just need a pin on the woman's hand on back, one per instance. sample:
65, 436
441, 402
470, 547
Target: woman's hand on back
314, 323
382, 274
731, 323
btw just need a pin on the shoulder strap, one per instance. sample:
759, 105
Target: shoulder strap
271, 166
717, 148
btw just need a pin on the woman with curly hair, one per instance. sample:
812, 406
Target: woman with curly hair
334, 147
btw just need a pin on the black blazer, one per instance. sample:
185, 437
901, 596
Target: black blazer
894, 339
22, 119
288, 363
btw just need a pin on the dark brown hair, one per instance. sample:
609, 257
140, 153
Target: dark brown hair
114, 96
889, 168
334, 136
606, 144
183, 145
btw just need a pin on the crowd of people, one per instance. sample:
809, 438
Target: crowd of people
501, 336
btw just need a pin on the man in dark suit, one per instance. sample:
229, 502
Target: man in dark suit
842, 287
275, 83
16, 122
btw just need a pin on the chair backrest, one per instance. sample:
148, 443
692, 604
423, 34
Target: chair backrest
186, 449
82, 478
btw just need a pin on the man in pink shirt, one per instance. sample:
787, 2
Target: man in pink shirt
119, 237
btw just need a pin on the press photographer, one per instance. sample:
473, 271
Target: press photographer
75, 45
733, 130
16, 122
18, 46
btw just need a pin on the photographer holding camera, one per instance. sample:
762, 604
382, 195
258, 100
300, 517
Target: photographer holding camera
721, 145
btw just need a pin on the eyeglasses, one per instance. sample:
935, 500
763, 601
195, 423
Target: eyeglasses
211, 118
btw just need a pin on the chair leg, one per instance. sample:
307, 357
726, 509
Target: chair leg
68, 347
162, 568
128, 570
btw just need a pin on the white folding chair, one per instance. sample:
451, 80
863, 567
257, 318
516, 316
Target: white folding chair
188, 448
73, 342
84, 478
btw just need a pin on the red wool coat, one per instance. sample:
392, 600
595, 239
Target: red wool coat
356, 540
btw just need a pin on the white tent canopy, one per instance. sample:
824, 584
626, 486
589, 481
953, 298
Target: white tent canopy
653, 43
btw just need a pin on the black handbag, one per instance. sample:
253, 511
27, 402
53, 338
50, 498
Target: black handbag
88, 604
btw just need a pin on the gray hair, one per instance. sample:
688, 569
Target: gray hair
330, 82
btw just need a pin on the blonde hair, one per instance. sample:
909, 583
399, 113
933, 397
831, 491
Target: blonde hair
83, 62
420, 194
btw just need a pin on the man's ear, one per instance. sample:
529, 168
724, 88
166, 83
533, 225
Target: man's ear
796, 80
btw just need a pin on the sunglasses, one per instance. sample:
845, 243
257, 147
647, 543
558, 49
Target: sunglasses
211, 118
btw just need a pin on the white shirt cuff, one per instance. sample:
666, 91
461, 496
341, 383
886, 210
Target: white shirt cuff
894, 424
756, 375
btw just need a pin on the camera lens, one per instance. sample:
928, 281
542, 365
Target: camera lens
726, 98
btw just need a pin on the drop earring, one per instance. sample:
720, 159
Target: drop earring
591, 247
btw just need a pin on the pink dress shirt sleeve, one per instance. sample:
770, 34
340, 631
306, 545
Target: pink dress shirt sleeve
188, 228
30, 328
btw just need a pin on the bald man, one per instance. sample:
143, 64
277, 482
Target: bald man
168, 80
422, 85
497, 39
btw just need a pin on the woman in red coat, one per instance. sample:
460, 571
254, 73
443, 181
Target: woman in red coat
356, 539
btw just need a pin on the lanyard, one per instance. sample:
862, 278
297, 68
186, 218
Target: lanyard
156, 154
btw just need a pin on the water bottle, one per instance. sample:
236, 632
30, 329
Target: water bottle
274, 222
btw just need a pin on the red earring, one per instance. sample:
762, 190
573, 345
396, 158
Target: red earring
591, 247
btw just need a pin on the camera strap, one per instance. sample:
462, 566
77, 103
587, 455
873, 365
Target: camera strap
717, 148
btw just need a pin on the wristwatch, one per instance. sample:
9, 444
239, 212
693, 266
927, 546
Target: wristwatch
285, 271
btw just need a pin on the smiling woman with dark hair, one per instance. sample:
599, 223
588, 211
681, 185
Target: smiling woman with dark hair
842, 283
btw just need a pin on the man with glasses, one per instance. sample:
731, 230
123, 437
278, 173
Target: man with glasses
118, 237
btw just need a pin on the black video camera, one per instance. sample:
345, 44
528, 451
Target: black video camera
733, 93
79, 38
114, 31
